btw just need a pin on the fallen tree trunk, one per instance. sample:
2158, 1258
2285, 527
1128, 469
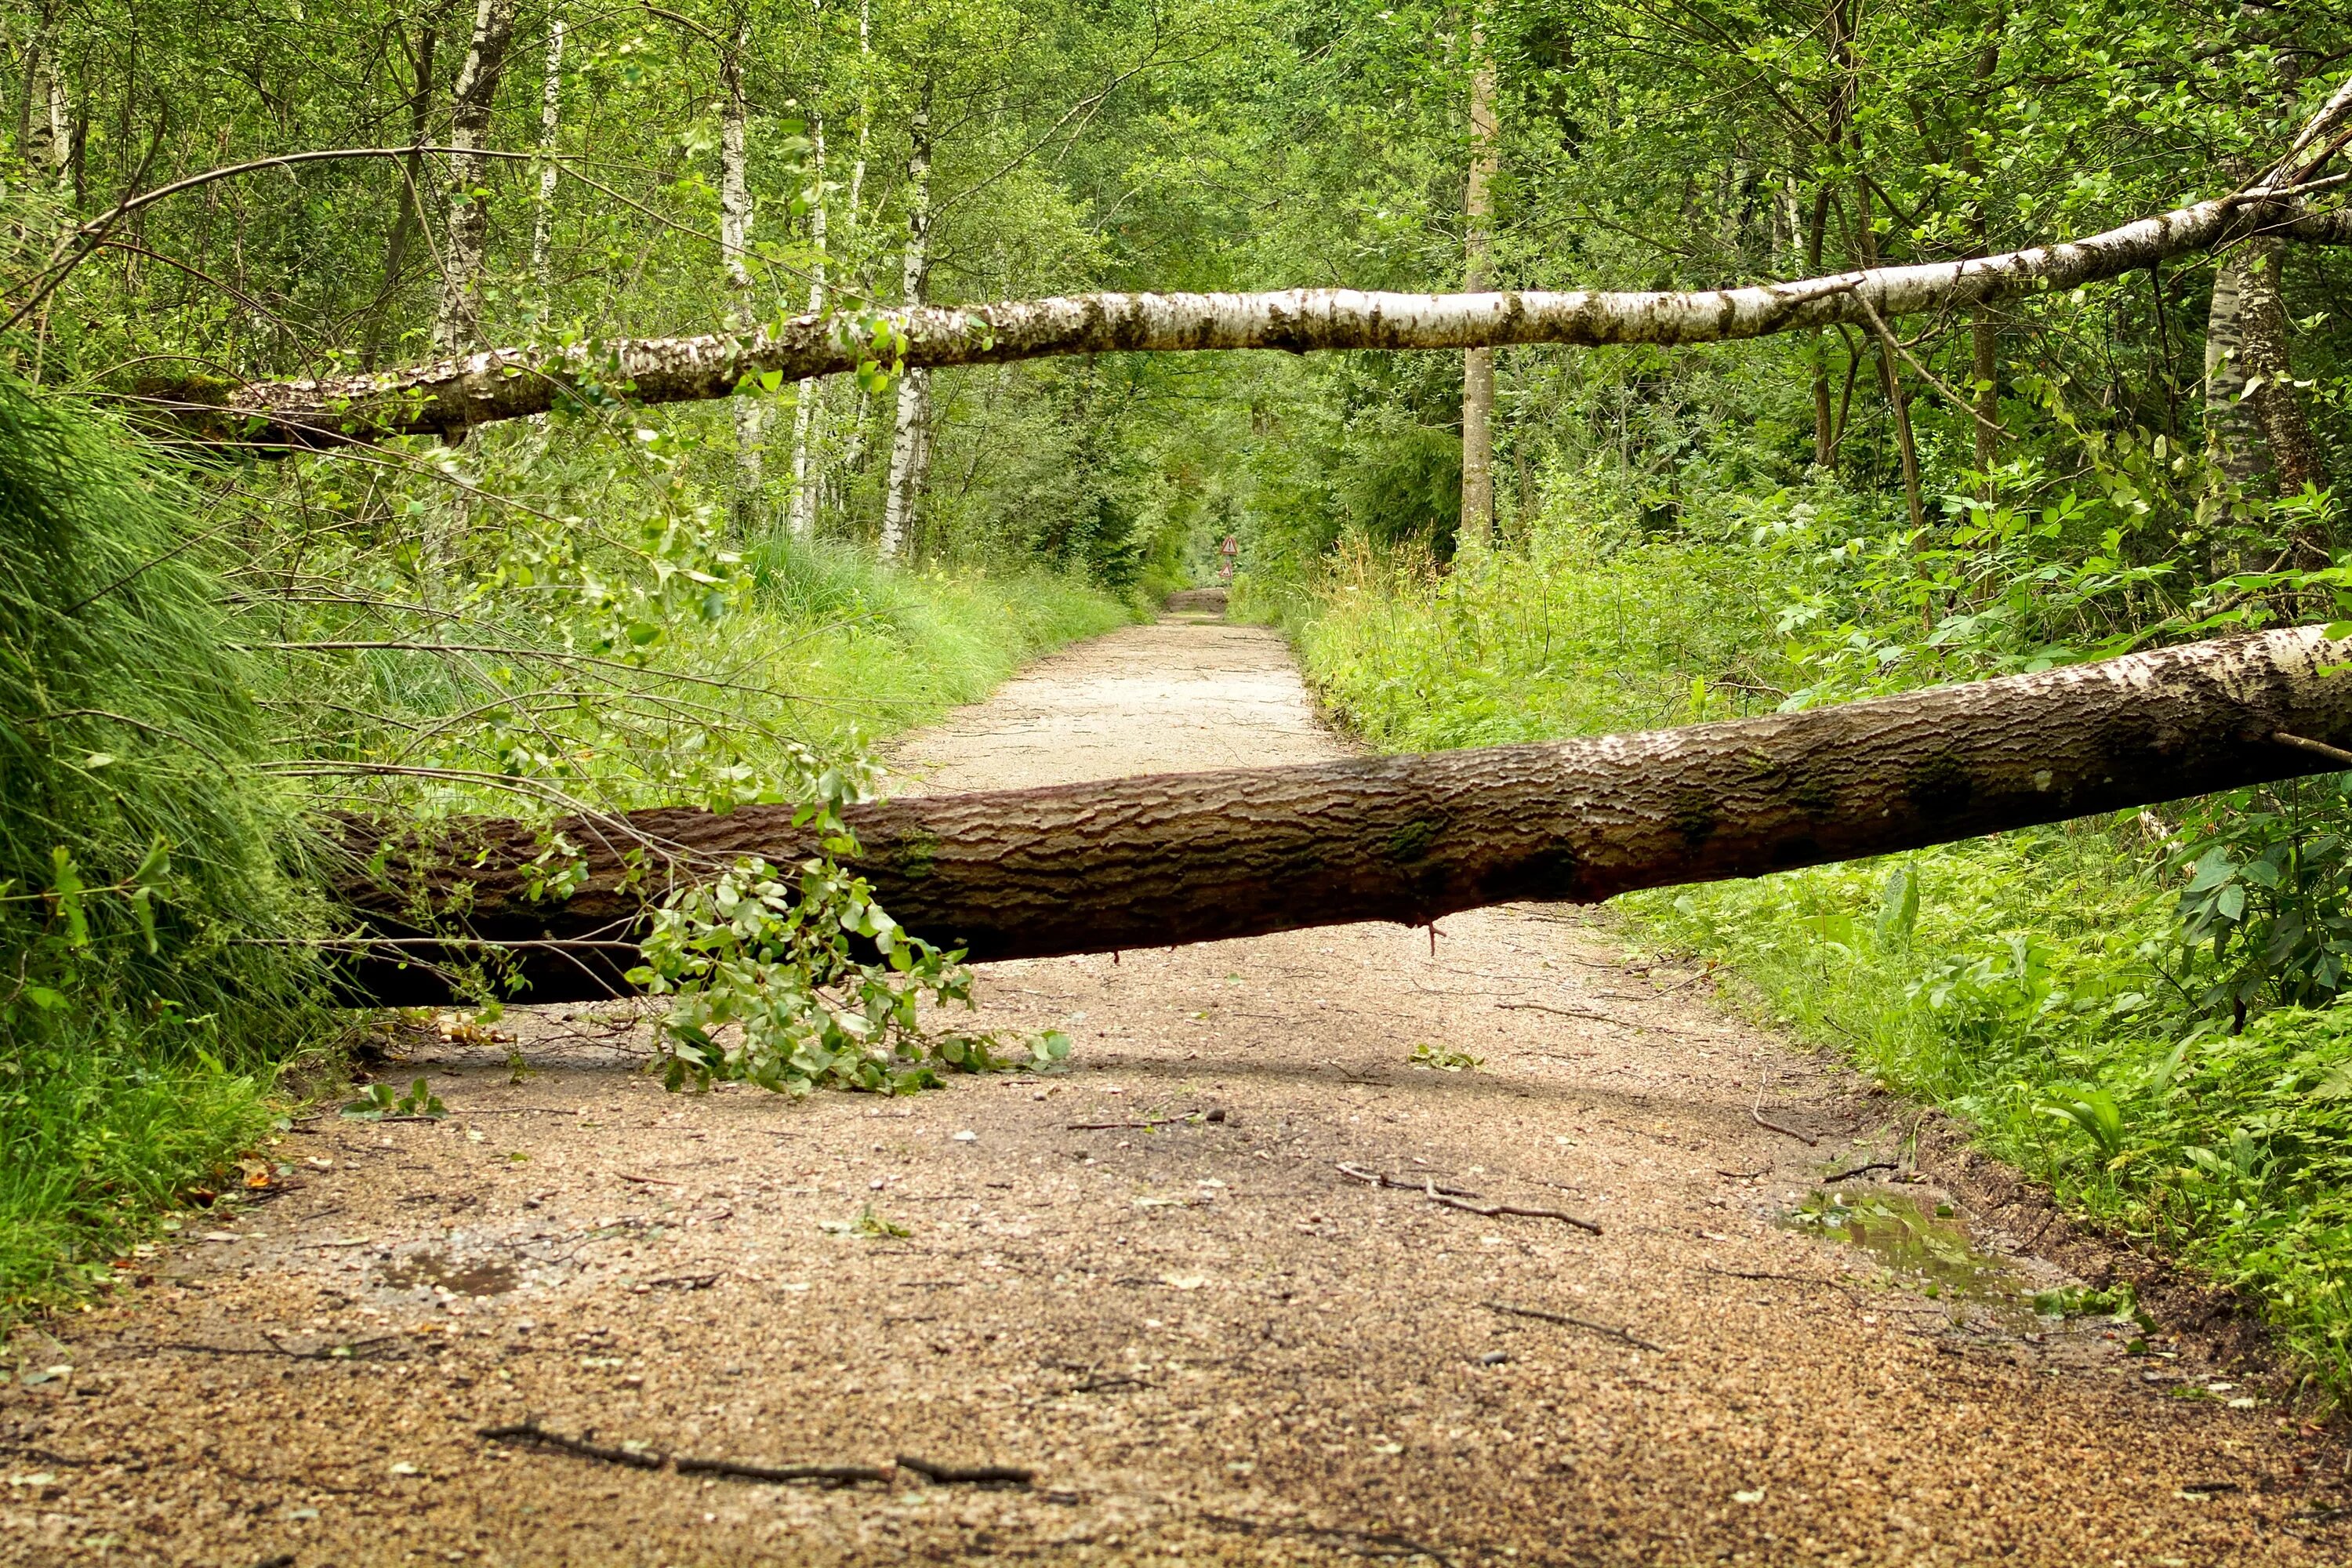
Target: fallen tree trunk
449, 397
1184, 857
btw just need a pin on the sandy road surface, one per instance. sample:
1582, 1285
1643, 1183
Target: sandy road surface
1209, 1341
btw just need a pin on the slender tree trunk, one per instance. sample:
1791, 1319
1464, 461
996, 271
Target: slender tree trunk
551, 112
734, 237
32, 131
1890, 374
1825, 443
1147, 862
1984, 327
1477, 525
808, 400
910, 443
459, 323
410, 221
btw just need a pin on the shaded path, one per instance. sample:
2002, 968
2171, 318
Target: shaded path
1209, 1341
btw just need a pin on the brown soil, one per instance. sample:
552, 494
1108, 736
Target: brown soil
1207, 1341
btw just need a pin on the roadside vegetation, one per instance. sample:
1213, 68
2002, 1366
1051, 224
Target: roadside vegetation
2140, 1012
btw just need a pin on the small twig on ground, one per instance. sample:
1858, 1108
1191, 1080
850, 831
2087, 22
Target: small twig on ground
1566, 1322
836, 1475
1807, 1139
324, 1352
684, 1282
1194, 1119
1493, 1211
685, 1464
1688, 980
969, 1475
1866, 1168
532, 1432
648, 1181
1381, 1179
1742, 1175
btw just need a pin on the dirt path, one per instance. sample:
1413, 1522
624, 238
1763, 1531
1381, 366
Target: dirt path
1208, 1340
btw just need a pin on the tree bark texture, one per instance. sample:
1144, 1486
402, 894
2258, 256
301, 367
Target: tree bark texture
1478, 364
911, 438
2261, 436
550, 117
459, 324
1154, 861
809, 397
452, 394
734, 237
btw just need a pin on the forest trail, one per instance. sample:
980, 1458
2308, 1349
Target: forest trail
1208, 1340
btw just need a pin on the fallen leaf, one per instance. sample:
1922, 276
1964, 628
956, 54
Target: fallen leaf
1754, 1496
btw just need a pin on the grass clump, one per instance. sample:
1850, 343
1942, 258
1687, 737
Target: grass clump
146, 874
868, 651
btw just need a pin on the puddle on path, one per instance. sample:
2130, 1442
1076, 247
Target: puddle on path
1925, 1251
478, 1277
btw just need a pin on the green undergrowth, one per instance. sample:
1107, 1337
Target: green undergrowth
2039, 984
150, 877
867, 652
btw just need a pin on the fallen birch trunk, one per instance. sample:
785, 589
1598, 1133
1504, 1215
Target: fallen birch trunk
451, 396
1184, 857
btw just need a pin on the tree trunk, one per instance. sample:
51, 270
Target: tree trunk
734, 237
459, 324
910, 440
1824, 424
411, 219
807, 399
510, 383
1154, 861
1477, 525
550, 113
1984, 328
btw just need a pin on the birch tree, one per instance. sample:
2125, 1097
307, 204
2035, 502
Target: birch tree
808, 399
550, 110
910, 432
458, 323
734, 239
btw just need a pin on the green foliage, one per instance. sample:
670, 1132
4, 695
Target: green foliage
147, 892
2269, 897
771, 983
381, 1101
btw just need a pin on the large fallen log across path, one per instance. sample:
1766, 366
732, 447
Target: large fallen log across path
1184, 858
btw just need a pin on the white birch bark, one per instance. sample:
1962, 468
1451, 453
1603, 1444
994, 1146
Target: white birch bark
550, 110
734, 234
910, 445
507, 384
458, 322
807, 399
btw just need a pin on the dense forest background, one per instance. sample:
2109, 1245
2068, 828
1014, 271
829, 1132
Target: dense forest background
616, 604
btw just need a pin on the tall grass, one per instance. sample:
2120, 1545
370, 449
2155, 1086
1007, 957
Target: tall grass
867, 651
148, 874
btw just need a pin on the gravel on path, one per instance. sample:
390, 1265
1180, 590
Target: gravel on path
1223, 1288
